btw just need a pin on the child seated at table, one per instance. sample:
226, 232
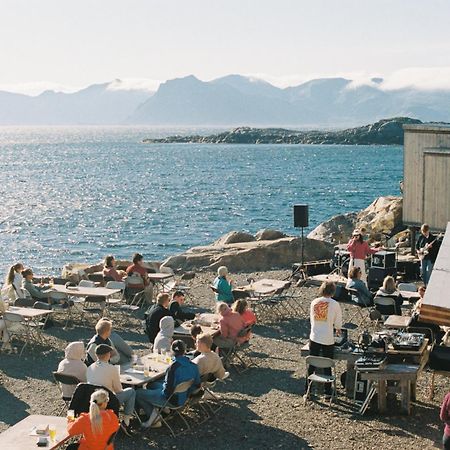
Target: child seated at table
97, 427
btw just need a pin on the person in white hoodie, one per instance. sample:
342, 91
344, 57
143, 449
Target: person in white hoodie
164, 338
73, 364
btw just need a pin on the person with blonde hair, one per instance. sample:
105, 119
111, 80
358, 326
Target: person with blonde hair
103, 329
208, 362
6, 345
97, 427
12, 288
241, 307
223, 286
230, 324
389, 289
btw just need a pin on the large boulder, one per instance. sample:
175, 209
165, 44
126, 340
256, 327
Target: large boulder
267, 234
234, 237
382, 216
249, 256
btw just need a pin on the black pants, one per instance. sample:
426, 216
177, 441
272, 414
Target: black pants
327, 351
446, 442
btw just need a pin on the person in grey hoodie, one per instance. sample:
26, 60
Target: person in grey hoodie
73, 364
164, 338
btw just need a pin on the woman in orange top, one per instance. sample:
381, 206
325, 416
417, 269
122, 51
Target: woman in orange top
97, 426
248, 316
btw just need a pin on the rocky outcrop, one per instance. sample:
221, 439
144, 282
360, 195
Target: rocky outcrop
383, 216
269, 235
235, 237
249, 256
383, 132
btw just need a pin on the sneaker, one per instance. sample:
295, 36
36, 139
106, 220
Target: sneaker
148, 423
156, 424
126, 429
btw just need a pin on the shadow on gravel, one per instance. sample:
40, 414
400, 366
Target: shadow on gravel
12, 410
293, 330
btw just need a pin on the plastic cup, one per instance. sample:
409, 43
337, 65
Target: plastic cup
52, 432
71, 415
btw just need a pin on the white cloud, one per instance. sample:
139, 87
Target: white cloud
131, 84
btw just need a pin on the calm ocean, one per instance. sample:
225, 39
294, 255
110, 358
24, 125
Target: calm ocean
79, 193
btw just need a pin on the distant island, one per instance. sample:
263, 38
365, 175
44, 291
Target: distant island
383, 132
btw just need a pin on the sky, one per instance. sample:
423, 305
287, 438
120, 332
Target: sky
68, 44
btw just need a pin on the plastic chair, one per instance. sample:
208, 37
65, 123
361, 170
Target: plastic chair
60, 303
179, 389
321, 363
86, 283
410, 287
68, 380
17, 329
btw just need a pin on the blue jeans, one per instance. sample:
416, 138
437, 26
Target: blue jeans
127, 398
426, 267
146, 398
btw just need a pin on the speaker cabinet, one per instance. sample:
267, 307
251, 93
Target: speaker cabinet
301, 219
378, 274
383, 260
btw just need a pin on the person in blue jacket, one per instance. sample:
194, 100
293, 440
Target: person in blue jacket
223, 286
181, 369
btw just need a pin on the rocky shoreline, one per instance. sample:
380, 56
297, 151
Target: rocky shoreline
383, 132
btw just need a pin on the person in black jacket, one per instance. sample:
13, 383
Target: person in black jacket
177, 312
427, 249
154, 314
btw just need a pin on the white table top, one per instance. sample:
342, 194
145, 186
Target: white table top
159, 276
185, 330
132, 377
81, 291
410, 295
28, 313
266, 286
18, 436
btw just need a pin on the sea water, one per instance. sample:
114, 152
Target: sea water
79, 193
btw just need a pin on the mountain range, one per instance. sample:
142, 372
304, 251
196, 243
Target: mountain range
230, 100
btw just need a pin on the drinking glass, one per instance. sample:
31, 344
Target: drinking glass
70, 415
52, 432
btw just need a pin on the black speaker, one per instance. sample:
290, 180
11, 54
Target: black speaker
378, 274
301, 216
383, 260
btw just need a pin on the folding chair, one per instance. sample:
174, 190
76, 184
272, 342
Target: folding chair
208, 382
60, 304
321, 363
17, 329
175, 410
82, 395
96, 278
68, 380
385, 305
117, 298
355, 301
242, 353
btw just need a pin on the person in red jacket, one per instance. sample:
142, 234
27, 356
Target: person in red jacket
97, 427
445, 417
230, 324
137, 268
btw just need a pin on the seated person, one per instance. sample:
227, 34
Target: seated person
96, 427
37, 292
164, 339
73, 364
241, 307
438, 333
354, 282
101, 373
109, 269
389, 289
12, 287
154, 315
223, 286
103, 329
230, 324
208, 362
181, 369
138, 268
124, 351
175, 308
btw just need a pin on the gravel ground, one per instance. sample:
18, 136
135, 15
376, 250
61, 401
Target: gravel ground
263, 407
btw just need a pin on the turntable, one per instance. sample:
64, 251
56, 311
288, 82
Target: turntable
408, 341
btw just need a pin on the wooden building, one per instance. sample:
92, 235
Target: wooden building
426, 172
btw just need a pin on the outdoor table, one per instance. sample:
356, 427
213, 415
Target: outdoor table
159, 276
208, 319
81, 291
409, 295
130, 376
394, 321
18, 436
185, 330
265, 286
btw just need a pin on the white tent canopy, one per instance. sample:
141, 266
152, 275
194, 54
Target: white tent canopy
436, 303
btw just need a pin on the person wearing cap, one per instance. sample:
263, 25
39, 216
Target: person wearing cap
102, 373
223, 286
181, 370
359, 250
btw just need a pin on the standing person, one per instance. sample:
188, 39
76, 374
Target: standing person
325, 316
359, 251
445, 417
13, 283
223, 286
101, 373
138, 268
175, 308
427, 251
154, 315
6, 345
96, 427
109, 269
